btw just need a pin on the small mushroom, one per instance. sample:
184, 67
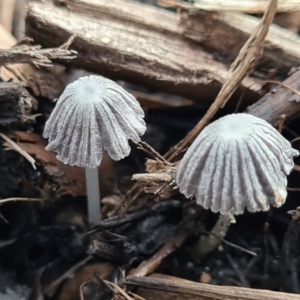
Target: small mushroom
93, 115
237, 162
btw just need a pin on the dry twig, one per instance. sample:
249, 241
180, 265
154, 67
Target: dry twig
150, 265
297, 92
170, 287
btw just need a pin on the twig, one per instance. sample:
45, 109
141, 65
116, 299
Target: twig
296, 168
51, 288
282, 84
152, 177
189, 290
171, 245
20, 199
239, 248
116, 289
3, 219
293, 189
295, 139
36, 55
17, 148
151, 152
150, 265
4, 244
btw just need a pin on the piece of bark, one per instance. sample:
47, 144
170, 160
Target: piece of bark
224, 34
16, 174
34, 55
280, 101
11, 108
48, 83
173, 288
16, 106
115, 40
247, 6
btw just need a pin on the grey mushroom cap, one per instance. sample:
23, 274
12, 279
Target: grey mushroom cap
93, 115
237, 162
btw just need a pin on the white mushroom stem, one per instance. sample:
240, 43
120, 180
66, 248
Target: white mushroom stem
208, 243
93, 194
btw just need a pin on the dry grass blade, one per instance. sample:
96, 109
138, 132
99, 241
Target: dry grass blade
36, 55
240, 68
13, 146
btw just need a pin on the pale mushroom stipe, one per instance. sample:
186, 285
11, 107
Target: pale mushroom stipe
237, 162
93, 115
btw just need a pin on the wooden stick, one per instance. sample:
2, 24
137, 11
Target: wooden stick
149, 266
224, 34
45, 83
169, 288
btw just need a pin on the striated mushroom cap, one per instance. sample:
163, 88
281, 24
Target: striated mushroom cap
93, 115
237, 162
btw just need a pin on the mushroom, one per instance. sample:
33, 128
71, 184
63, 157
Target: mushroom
93, 115
237, 162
